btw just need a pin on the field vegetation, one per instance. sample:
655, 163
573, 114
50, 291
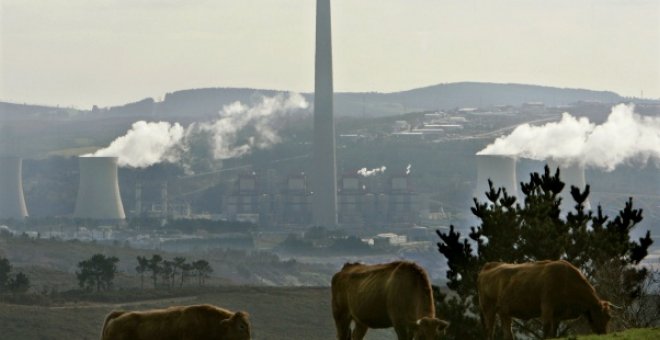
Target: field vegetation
630, 334
276, 313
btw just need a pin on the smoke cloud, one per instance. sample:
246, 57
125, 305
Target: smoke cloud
408, 168
624, 138
239, 129
366, 173
145, 144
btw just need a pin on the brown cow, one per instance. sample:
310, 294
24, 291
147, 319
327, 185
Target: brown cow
396, 294
551, 290
177, 323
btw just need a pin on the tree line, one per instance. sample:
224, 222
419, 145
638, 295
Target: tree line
17, 283
98, 272
167, 270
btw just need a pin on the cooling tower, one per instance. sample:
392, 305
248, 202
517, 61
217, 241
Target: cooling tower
501, 170
12, 202
98, 191
324, 177
571, 175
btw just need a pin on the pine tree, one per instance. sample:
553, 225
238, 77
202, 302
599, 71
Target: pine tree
5, 269
97, 272
535, 229
19, 283
141, 268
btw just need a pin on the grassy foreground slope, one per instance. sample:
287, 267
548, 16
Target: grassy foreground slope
630, 334
276, 313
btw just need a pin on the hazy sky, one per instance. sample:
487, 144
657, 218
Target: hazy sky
109, 52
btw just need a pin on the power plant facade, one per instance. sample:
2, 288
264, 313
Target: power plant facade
362, 202
501, 170
324, 178
12, 202
98, 190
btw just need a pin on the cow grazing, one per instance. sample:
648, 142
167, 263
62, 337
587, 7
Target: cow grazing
396, 294
177, 323
551, 290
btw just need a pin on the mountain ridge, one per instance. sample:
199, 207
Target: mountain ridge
205, 102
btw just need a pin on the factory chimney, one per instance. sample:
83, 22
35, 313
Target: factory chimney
164, 199
138, 199
501, 170
98, 191
324, 177
12, 202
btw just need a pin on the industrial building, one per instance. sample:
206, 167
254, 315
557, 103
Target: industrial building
501, 170
12, 201
363, 202
572, 174
98, 190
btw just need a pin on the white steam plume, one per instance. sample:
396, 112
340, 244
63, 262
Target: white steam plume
626, 137
366, 173
145, 144
148, 143
408, 168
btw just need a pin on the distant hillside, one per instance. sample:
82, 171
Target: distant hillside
203, 102
207, 102
14, 111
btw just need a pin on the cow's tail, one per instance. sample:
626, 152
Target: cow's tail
108, 318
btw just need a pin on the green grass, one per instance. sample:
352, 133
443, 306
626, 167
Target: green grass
630, 334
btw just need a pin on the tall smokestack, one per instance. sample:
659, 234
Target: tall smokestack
98, 191
12, 202
164, 199
138, 199
572, 175
324, 178
501, 170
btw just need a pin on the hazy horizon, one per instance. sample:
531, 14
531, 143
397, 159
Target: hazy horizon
82, 53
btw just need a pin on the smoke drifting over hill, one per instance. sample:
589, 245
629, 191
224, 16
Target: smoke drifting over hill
625, 137
239, 129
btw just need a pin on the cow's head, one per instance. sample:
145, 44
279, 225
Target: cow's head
429, 328
599, 317
235, 328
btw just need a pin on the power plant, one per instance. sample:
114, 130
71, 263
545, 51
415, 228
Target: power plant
324, 177
501, 170
98, 190
12, 202
572, 175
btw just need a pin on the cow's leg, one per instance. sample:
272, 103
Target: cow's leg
550, 329
488, 322
343, 326
549, 324
505, 320
359, 331
402, 332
